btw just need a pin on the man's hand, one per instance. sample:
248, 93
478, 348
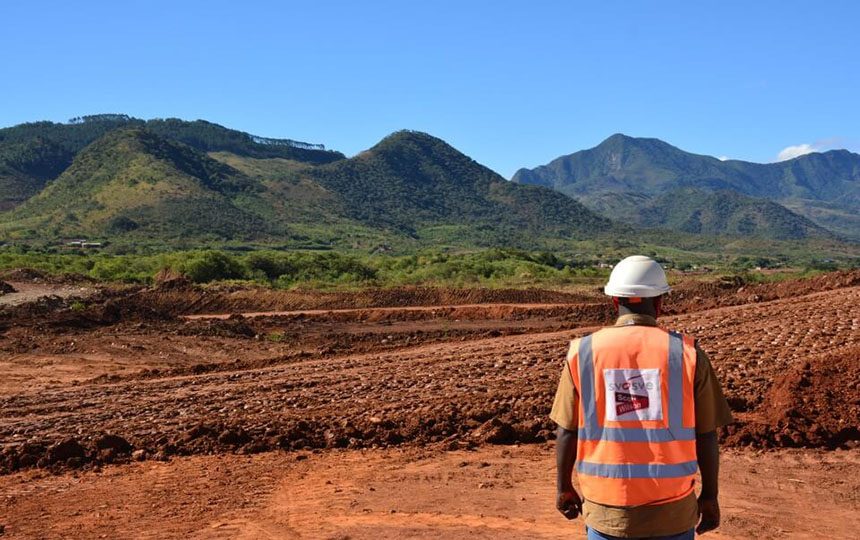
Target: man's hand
708, 456
568, 503
709, 510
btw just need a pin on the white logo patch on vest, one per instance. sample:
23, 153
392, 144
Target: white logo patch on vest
633, 394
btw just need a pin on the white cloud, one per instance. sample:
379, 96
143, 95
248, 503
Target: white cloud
792, 152
724, 158
821, 145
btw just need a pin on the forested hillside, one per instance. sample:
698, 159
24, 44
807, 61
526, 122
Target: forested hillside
636, 167
165, 184
412, 182
131, 181
34, 153
411, 189
722, 212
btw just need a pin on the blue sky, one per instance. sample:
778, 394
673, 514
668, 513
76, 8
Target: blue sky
512, 84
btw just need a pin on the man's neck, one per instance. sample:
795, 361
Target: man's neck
623, 310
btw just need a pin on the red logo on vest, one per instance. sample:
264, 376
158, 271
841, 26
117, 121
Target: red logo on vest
625, 403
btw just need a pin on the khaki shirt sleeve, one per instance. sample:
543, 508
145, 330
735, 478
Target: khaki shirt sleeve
565, 407
712, 409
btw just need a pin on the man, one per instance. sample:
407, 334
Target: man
637, 409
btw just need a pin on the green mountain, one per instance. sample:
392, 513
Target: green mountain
134, 185
809, 184
131, 181
26, 166
723, 212
210, 137
416, 184
34, 153
164, 184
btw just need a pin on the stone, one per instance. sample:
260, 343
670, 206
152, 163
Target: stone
66, 450
113, 442
107, 455
233, 437
495, 431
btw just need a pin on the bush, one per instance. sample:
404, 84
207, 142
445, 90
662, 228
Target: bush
314, 269
211, 266
125, 268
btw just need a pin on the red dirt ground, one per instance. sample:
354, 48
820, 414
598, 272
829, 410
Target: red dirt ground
494, 493
371, 392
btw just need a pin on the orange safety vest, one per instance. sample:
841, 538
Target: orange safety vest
636, 438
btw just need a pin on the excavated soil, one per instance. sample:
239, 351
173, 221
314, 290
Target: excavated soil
125, 366
188, 300
695, 295
119, 375
817, 403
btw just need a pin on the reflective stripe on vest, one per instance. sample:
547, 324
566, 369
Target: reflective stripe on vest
637, 470
676, 430
651, 458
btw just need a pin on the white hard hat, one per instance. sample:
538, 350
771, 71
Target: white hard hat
637, 277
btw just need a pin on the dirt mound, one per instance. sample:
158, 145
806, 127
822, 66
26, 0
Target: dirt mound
168, 279
105, 307
582, 313
429, 296
37, 309
5, 288
66, 453
455, 426
815, 404
71, 279
198, 300
178, 297
31, 275
24, 274
235, 326
690, 296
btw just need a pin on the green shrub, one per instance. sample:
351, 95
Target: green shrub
211, 266
321, 270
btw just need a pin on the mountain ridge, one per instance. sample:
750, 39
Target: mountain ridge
58, 143
651, 167
135, 184
131, 181
172, 182
663, 154
432, 180
713, 213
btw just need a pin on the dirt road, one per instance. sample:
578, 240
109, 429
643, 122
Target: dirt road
29, 292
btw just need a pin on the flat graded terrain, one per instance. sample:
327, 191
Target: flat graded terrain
494, 492
130, 414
